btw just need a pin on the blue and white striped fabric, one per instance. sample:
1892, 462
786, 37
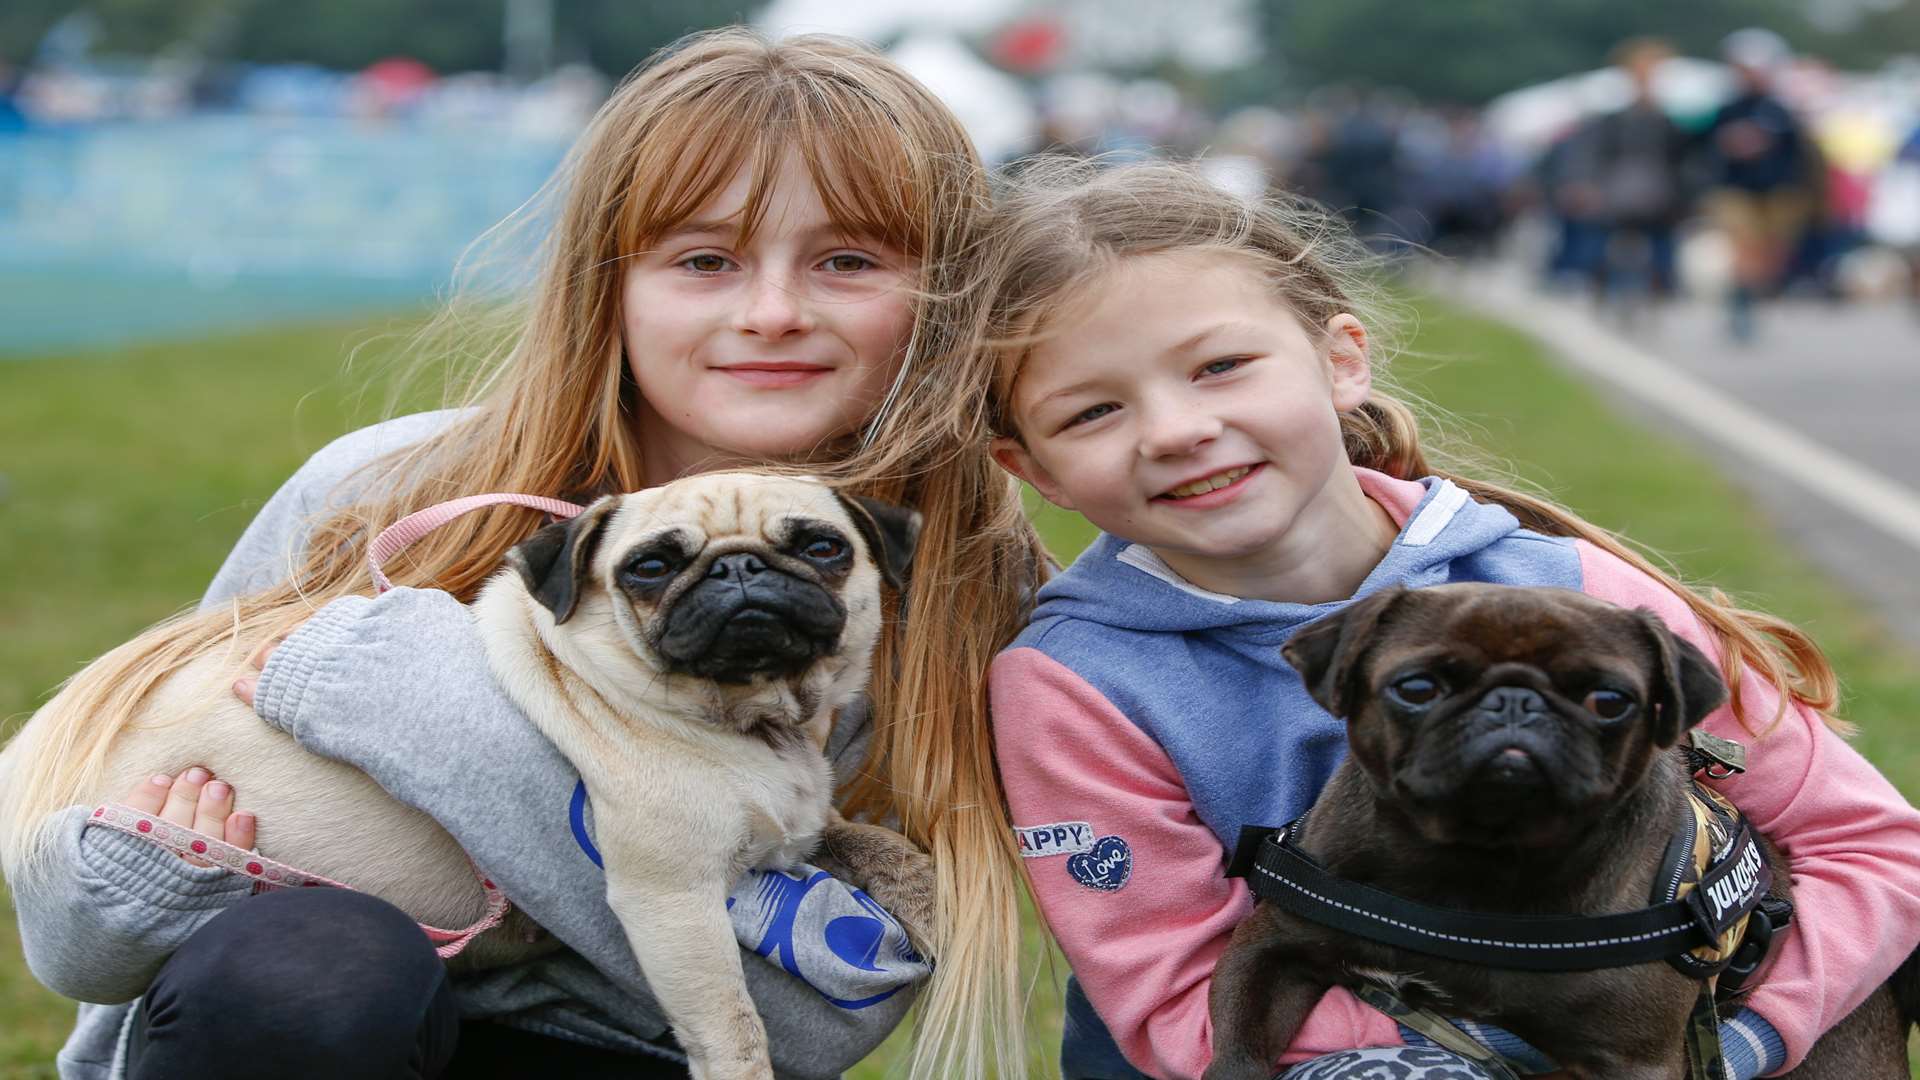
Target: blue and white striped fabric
824, 932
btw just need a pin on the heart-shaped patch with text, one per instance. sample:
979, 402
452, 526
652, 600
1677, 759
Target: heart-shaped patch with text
1106, 866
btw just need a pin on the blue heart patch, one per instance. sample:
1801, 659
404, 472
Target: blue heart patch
1105, 866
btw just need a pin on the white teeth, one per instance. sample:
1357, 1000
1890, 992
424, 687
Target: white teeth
1217, 480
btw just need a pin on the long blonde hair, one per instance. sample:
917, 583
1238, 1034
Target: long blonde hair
1063, 224
550, 412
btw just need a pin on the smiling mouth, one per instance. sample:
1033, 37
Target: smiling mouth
775, 375
1207, 483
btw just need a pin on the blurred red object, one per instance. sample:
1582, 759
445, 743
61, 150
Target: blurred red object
1029, 45
397, 79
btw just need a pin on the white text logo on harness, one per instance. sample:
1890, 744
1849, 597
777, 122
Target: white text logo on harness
1732, 891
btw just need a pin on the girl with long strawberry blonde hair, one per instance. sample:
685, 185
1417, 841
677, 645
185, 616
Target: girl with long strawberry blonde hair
753, 259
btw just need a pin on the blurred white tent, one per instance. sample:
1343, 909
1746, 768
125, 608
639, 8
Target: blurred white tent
996, 110
883, 20
992, 105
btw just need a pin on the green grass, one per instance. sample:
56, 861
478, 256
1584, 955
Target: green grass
125, 476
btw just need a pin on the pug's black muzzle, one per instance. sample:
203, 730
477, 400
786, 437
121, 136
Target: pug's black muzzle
1510, 737
746, 619
1513, 769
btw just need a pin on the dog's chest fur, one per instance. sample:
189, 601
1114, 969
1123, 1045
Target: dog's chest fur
668, 767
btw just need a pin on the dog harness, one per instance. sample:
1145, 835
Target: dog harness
268, 874
1711, 917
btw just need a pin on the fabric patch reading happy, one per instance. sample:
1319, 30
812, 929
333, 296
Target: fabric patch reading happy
1063, 838
1105, 866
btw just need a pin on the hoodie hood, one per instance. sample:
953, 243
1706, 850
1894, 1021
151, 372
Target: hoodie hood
1203, 674
1125, 586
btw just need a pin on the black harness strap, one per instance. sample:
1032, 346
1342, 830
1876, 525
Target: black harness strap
1717, 931
1281, 872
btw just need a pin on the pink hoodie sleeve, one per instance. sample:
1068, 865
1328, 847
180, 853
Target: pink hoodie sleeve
1853, 842
1145, 951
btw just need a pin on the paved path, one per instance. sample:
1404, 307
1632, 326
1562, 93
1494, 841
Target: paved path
1819, 417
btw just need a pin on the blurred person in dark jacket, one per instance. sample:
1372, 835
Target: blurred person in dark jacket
1634, 161
1352, 164
1460, 186
1762, 167
1573, 205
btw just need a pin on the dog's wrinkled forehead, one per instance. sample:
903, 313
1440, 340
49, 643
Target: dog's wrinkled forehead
1548, 629
716, 507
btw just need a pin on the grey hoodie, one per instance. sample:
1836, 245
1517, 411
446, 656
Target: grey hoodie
398, 686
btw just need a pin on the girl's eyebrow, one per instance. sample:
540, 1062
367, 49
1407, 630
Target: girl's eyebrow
1194, 341
1080, 387
697, 228
821, 230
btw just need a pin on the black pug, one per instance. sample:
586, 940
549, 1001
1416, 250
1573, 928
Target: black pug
1512, 753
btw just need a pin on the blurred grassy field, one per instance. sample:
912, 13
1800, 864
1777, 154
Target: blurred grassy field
125, 475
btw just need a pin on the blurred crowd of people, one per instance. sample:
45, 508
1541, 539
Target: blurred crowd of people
1757, 180
1620, 186
1753, 183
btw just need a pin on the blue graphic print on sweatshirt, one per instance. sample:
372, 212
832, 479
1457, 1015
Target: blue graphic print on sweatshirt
844, 945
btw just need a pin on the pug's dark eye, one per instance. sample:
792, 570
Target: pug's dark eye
824, 548
1415, 691
650, 568
1608, 704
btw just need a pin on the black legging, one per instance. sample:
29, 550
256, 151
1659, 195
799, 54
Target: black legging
330, 983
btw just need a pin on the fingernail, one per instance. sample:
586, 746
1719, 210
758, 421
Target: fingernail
197, 775
160, 779
218, 789
243, 688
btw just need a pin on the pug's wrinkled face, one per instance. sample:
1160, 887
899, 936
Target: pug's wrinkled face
736, 579
1503, 716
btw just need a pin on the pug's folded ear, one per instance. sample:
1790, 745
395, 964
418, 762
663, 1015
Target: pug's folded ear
553, 562
1686, 686
1327, 653
891, 532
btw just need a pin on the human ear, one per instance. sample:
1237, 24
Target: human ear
1349, 369
1018, 460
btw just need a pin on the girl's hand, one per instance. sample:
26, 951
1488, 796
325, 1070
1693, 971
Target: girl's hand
197, 801
243, 687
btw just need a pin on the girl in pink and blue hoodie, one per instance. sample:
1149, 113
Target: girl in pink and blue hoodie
1184, 369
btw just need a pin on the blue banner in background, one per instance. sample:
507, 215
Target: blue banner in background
134, 230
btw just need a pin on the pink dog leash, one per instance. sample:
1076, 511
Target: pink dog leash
268, 874
401, 535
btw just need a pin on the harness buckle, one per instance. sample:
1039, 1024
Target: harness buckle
1774, 914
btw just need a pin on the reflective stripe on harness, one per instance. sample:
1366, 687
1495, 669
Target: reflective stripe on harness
1715, 906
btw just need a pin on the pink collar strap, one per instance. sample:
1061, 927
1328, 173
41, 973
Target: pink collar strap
268, 874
